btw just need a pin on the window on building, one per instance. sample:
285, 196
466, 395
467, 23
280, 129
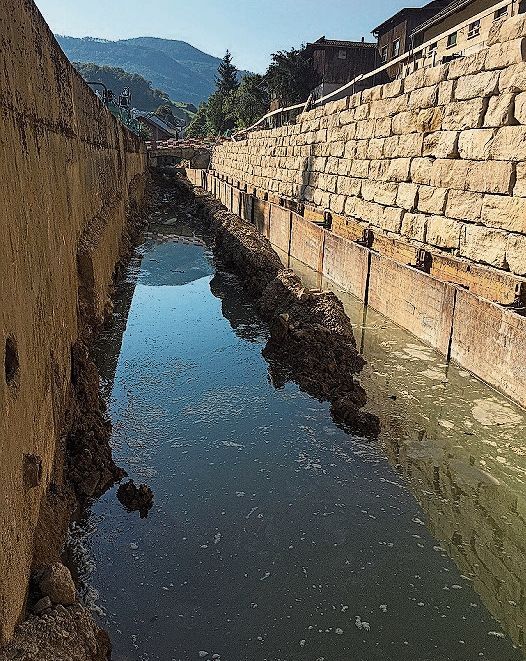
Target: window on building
503, 11
396, 47
432, 48
342, 54
452, 40
384, 53
474, 29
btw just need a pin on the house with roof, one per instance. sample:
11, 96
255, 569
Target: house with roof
394, 34
158, 129
460, 28
338, 62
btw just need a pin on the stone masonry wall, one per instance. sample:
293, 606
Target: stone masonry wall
68, 174
437, 159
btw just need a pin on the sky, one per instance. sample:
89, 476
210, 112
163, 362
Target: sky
250, 29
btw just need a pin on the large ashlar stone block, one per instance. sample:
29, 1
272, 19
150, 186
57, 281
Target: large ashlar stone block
375, 148
383, 127
477, 85
441, 144
520, 183
463, 115
516, 253
504, 212
337, 203
500, 56
360, 168
443, 232
414, 226
407, 196
349, 186
403, 146
500, 110
391, 219
477, 176
405, 122
395, 88
475, 144
429, 120
392, 169
464, 205
507, 30
513, 79
431, 200
481, 244
425, 97
426, 77
464, 66
383, 192
446, 92
509, 144
519, 110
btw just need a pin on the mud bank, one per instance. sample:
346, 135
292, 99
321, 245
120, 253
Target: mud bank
312, 341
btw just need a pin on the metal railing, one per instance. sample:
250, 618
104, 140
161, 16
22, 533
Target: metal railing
282, 116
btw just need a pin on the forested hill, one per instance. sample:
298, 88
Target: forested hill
144, 97
182, 71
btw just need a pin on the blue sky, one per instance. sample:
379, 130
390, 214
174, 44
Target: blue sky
251, 29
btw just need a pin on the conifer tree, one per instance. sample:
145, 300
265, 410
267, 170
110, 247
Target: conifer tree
226, 79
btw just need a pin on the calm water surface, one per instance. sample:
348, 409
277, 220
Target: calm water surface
275, 535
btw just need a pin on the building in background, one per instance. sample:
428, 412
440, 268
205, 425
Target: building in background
338, 62
461, 28
394, 34
157, 128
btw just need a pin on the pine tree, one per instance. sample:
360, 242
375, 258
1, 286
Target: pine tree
226, 79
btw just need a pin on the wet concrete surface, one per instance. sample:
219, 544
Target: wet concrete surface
274, 534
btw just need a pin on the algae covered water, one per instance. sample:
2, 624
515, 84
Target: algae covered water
274, 534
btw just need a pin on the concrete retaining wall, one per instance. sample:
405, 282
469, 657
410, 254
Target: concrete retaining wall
69, 173
480, 335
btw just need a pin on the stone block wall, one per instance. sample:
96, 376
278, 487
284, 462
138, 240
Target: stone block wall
437, 159
68, 174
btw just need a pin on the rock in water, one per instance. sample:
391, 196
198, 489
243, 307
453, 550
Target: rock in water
136, 498
57, 584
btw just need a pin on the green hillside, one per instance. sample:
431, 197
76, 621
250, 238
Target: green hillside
144, 96
180, 70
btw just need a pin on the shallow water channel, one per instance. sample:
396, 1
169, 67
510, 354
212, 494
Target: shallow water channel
274, 534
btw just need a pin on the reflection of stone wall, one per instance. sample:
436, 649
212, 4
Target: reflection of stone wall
437, 158
69, 172
479, 520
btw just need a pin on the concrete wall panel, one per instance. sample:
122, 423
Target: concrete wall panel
306, 242
412, 299
490, 341
346, 263
280, 222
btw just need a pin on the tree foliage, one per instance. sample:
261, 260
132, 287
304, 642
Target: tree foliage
252, 100
226, 79
290, 78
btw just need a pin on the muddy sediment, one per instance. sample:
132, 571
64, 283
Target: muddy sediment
312, 342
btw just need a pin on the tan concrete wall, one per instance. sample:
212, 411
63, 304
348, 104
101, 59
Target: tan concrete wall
437, 159
68, 172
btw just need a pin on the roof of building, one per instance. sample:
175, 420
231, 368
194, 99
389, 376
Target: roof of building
453, 7
158, 122
408, 11
338, 43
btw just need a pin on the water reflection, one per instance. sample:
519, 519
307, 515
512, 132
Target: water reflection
274, 534
462, 447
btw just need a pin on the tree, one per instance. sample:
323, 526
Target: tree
291, 76
226, 79
198, 127
220, 113
252, 100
